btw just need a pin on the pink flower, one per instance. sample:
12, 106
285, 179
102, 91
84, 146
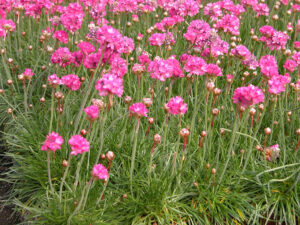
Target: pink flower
53, 142
241, 52
162, 69
277, 83
62, 56
268, 66
290, 65
213, 10
296, 58
109, 37
138, 109
61, 36
127, 45
86, 47
54, 80
110, 84
92, 61
157, 39
118, 66
229, 24
72, 81
78, 145
272, 152
100, 172
213, 70
92, 112
144, 58
195, 65
261, 9
177, 106
247, 96
198, 30
28, 74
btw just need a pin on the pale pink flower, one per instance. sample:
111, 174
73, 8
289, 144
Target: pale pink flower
72, 81
78, 145
247, 96
177, 106
138, 109
92, 112
53, 142
100, 172
54, 80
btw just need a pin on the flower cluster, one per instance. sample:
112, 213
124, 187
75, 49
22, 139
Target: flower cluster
247, 96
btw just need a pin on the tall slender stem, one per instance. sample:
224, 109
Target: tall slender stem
134, 153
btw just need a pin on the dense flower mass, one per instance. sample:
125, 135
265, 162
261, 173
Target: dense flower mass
100, 172
162, 69
177, 106
247, 96
53, 142
78, 145
138, 109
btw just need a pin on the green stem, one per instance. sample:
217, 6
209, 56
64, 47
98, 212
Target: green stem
49, 171
134, 153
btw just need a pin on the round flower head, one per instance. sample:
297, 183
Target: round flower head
138, 109
100, 172
177, 106
61, 36
110, 84
78, 145
272, 152
92, 112
195, 65
54, 80
247, 96
72, 81
53, 142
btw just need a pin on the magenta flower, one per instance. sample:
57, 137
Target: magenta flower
78, 145
195, 65
162, 69
229, 24
53, 142
72, 81
278, 83
177, 106
92, 112
261, 9
28, 74
118, 66
290, 65
62, 56
247, 96
157, 39
138, 109
100, 172
127, 45
241, 52
213, 70
296, 58
110, 84
86, 47
268, 66
61, 36
198, 30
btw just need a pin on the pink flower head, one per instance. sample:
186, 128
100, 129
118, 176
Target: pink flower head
241, 52
100, 172
277, 84
92, 61
177, 106
62, 56
72, 21
110, 84
144, 58
72, 81
78, 145
267, 30
86, 47
7, 25
118, 66
272, 152
290, 65
109, 37
247, 96
28, 74
261, 9
229, 24
53, 142
213, 70
195, 65
268, 66
54, 80
213, 10
92, 112
198, 30
138, 109
127, 45
162, 69
296, 58
61, 36
157, 39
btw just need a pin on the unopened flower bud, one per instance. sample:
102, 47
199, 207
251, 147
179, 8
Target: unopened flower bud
127, 99
83, 132
184, 132
9, 82
156, 139
150, 120
42, 99
102, 156
267, 131
64, 163
215, 111
252, 111
213, 171
147, 102
110, 156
